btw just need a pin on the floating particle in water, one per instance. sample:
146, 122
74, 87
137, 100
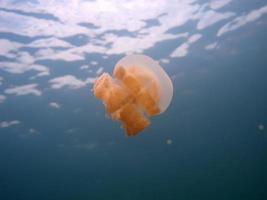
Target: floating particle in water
261, 127
169, 141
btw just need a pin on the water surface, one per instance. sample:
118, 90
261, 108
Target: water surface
55, 141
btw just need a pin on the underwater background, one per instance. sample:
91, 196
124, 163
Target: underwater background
56, 141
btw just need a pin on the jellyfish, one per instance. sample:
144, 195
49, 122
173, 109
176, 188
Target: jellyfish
138, 90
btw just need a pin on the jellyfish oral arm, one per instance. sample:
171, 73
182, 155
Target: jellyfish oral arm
120, 104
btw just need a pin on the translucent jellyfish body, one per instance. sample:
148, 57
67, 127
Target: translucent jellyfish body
140, 89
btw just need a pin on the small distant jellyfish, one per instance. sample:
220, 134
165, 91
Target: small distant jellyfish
139, 89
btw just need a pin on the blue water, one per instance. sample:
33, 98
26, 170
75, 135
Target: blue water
57, 143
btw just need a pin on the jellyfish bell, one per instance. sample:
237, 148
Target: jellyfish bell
140, 89
144, 63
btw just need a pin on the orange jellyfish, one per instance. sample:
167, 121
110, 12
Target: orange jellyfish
140, 89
